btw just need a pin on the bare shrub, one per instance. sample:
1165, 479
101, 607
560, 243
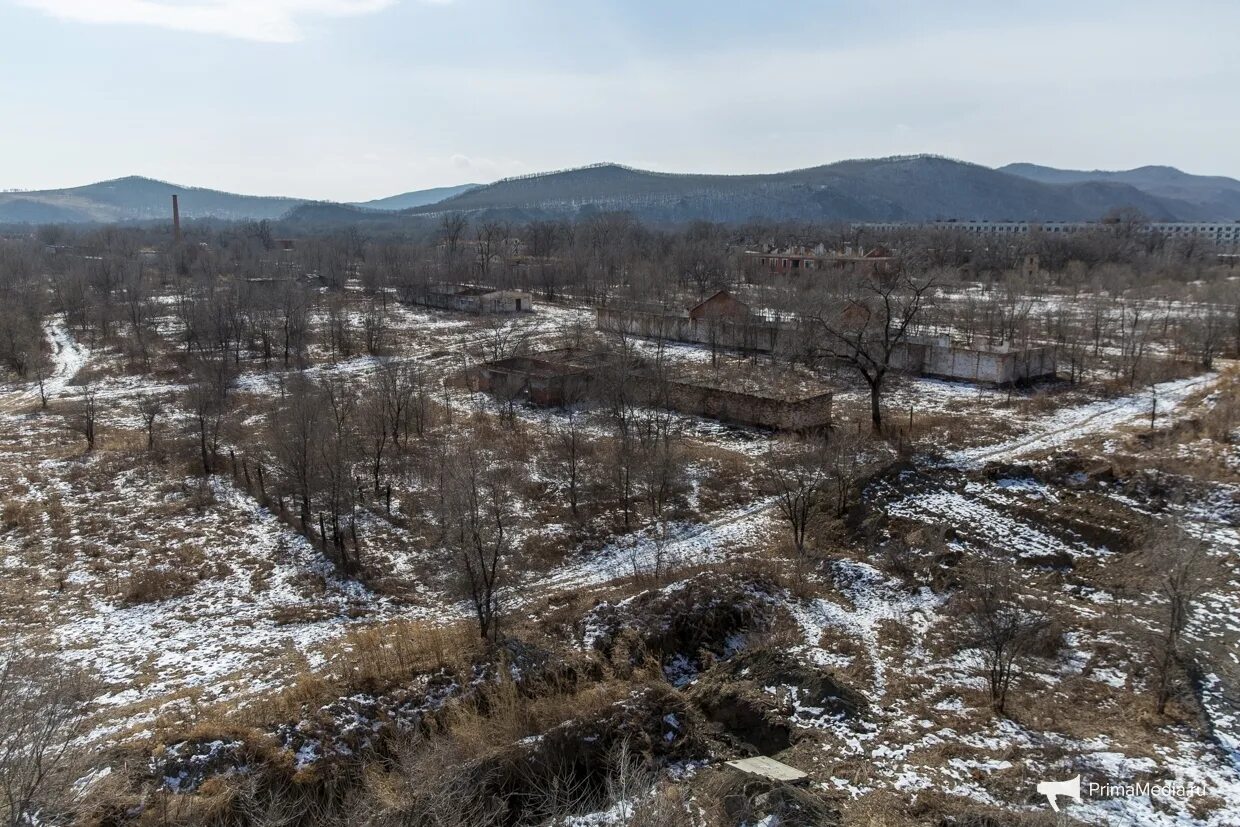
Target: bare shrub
42, 712
153, 585
999, 624
1180, 570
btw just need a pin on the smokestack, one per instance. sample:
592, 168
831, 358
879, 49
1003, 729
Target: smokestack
176, 219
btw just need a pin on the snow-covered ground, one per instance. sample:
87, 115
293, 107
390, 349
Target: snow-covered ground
1070, 425
681, 545
68, 357
263, 601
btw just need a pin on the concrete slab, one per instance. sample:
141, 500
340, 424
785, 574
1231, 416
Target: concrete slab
770, 769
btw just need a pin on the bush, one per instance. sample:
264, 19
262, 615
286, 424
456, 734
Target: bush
154, 585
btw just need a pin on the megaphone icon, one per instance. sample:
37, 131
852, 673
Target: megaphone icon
1053, 789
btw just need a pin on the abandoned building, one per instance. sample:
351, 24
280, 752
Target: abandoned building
723, 321
720, 321
989, 364
553, 378
568, 376
794, 410
470, 299
792, 260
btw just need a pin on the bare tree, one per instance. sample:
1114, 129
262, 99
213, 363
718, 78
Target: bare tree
207, 400
999, 624
504, 337
85, 416
375, 429
375, 330
336, 454
797, 480
1207, 330
847, 456
573, 447
297, 428
1181, 570
151, 407
660, 471
452, 230
867, 324
475, 518
41, 367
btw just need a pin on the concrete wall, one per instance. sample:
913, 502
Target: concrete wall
501, 301
999, 367
748, 409
923, 355
545, 383
706, 331
538, 381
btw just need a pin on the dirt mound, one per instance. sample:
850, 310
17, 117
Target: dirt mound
747, 801
651, 727
184, 766
759, 698
685, 626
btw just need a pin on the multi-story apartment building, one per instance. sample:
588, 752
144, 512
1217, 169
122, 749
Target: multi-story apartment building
1222, 233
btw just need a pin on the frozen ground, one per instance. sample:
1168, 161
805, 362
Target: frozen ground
1070, 425
263, 602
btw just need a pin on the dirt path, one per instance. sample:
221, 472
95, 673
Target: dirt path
1094, 419
685, 545
68, 357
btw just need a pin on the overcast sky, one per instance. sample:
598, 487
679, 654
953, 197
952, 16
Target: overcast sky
357, 99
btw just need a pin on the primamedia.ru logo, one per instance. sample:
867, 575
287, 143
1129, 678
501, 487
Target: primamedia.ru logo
1074, 789
1153, 789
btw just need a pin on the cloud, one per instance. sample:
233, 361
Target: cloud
273, 21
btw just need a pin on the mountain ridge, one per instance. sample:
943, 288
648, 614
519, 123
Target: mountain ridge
899, 188
139, 198
415, 198
911, 188
1215, 197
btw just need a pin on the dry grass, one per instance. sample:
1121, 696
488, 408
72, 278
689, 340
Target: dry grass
508, 714
378, 654
153, 585
372, 658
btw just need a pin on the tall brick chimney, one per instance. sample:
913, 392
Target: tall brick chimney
176, 219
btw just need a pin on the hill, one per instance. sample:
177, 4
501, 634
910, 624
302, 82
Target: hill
909, 188
1212, 197
913, 188
417, 198
136, 199
325, 216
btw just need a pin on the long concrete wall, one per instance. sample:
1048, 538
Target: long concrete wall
748, 409
499, 302
761, 337
928, 356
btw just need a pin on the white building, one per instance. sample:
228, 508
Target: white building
1221, 233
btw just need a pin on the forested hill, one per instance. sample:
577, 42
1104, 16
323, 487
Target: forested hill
1214, 197
910, 188
135, 199
916, 188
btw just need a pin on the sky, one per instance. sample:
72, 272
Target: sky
358, 99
